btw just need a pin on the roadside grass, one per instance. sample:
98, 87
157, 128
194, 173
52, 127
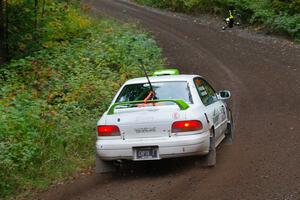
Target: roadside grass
275, 16
50, 102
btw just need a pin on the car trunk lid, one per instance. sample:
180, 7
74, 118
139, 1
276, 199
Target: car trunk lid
146, 122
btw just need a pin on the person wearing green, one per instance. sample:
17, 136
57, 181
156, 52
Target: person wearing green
230, 20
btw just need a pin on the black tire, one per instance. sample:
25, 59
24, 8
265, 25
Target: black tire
211, 157
229, 130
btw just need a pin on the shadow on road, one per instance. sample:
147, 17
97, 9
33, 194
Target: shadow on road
144, 169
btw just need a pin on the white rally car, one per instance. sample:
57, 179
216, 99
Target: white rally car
169, 115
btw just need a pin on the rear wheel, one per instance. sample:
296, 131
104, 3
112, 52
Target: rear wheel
211, 157
103, 166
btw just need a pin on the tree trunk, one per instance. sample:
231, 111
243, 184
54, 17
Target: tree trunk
3, 53
43, 8
35, 13
34, 32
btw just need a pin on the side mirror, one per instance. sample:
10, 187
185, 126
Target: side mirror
224, 94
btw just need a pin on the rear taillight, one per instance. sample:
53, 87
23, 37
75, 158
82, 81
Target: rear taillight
108, 130
185, 126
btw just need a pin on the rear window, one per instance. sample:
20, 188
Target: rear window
163, 90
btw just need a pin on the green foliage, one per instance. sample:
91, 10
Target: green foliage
275, 15
50, 101
290, 7
56, 23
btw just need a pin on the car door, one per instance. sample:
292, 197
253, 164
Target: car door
214, 108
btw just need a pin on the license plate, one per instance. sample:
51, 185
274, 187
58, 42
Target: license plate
149, 153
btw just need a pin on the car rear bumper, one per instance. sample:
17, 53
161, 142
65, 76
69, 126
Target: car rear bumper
168, 147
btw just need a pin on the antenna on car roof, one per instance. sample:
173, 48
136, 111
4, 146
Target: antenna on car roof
145, 72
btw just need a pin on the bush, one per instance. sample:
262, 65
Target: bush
56, 24
50, 101
277, 16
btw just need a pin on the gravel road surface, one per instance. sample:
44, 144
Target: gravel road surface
263, 75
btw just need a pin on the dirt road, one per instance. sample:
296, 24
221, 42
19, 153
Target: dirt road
264, 77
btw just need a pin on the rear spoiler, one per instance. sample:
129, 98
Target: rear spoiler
180, 103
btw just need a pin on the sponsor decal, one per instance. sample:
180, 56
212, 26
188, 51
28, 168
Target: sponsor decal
145, 130
215, 117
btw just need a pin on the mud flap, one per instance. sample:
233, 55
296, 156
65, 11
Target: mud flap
211, 157
103, 166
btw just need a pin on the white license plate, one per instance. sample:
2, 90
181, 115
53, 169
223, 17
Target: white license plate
146, 153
